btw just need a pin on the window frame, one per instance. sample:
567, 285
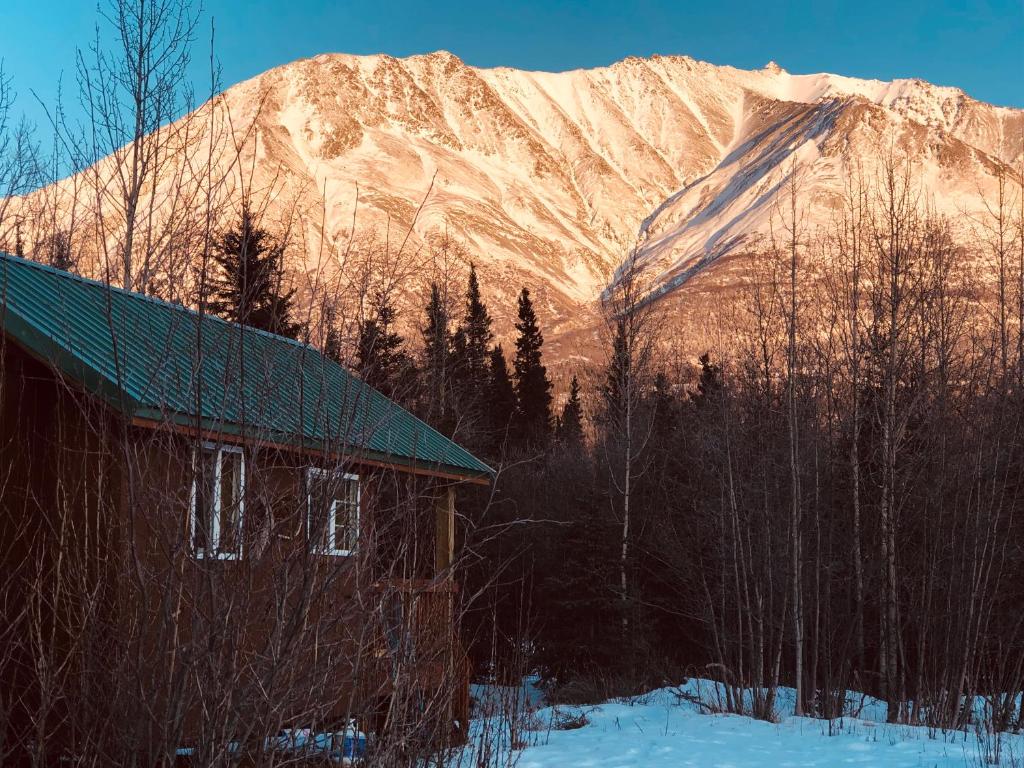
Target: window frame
329, 548
213, 552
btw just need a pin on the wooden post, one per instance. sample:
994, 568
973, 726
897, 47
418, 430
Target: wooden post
456, 669
444, 542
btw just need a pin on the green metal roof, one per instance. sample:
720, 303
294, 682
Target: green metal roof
164, 362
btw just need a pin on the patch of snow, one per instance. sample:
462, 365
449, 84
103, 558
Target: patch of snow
668, 729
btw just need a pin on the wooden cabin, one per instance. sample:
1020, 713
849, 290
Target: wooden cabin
209, 534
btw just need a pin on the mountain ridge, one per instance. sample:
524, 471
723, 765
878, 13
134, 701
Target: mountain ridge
551, 179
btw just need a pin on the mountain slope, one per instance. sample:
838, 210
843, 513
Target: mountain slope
551, 178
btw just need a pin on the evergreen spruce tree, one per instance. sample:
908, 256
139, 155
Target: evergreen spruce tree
471, 349
501, 399
617, 376
380, 351
248, 286
437, 363
667, 412
60, 255
709, 385
570, 423
533, 388
332, 346
476, 336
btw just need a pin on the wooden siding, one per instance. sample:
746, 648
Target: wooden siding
112, 499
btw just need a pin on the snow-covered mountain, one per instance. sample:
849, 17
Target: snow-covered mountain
551, 178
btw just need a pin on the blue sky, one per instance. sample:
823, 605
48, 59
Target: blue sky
973, 44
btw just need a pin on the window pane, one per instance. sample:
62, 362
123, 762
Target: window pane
333, 501
346, 515
204, 499
319, 510
340, 525
230, 501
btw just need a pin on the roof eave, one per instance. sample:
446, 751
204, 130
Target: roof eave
213, 429
47, 350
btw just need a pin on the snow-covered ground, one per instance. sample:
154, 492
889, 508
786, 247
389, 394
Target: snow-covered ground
663, 730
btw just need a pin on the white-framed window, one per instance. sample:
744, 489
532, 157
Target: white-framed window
217, 501
332, 505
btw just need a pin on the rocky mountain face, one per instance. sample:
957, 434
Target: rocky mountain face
550, 179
